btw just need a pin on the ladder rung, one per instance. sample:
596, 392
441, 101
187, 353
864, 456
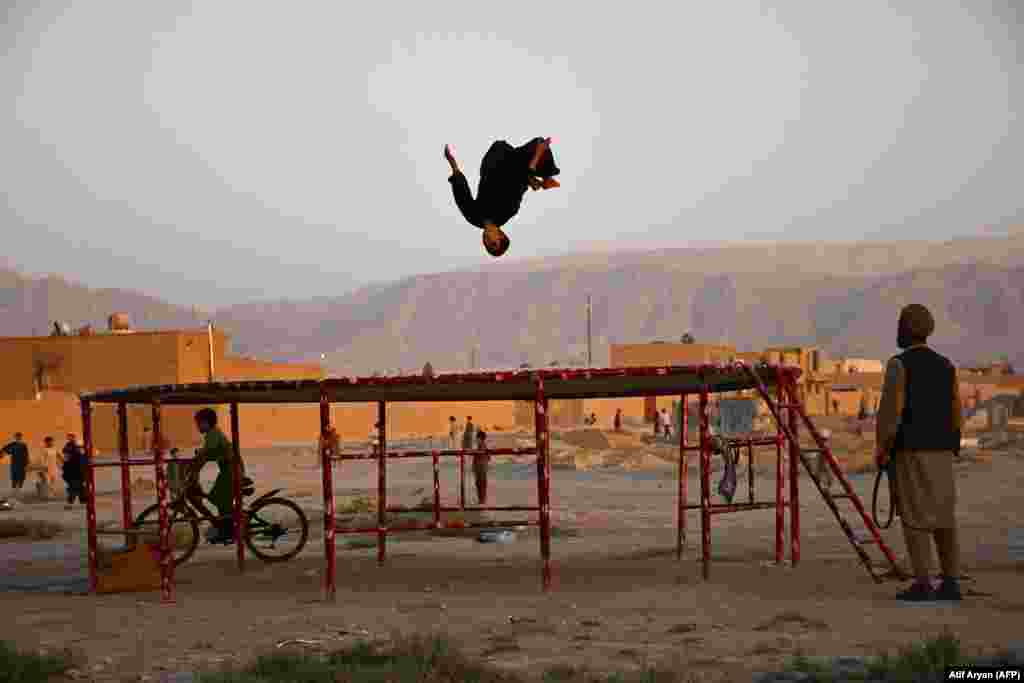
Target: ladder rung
789, 400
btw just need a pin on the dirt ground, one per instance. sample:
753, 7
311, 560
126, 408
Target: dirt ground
620, 600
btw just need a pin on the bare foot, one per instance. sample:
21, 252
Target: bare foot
450, 158
539, 152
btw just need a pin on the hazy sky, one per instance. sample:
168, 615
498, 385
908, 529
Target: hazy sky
218, 152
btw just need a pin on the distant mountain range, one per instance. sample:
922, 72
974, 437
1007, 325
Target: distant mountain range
842, 297
30, 306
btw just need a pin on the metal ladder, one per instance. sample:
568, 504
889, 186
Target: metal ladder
858, 543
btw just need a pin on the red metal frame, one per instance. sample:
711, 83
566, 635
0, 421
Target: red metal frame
681, 506
327, 470
437, 490
382, 481
785, 378
780, 512
705, 484
462, 481
543, 481
90, 492
166, 542
126, 479
794, 475
240, 527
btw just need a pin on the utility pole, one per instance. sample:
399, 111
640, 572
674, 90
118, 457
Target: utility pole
209, 338
474, 356
590, 356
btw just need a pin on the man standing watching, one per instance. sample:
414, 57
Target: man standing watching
19, 460
469, 435
918, 432
453, 434
481, 463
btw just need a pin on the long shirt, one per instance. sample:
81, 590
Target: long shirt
217, 448
504, 176
19, 456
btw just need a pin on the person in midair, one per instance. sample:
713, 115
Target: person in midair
505, 173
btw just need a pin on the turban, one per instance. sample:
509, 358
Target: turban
916, 321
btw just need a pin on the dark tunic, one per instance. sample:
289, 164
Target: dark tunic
74, 463
504, 172
927, 422
19, 459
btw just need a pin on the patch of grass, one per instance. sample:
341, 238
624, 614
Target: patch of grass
568, 674
415, 515
370, 541
412, 660
27, 528
931, 657
357, 505
561, 532
913, 663
24, 667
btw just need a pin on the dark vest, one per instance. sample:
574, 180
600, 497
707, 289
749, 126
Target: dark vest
927, 422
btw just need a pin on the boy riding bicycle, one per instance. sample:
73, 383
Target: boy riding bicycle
217, 448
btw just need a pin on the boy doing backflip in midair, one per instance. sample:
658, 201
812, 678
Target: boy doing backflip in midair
505, 173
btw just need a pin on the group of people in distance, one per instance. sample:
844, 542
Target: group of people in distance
47, 464
72, 462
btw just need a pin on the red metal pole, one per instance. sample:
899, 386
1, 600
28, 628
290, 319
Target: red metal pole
705, 483
166, 548
382, 481
750, 469
541, 426
327, 471
241, 525
90, 493
780, 490
462, 482
681, 511
126, 477
794, 474
437, 491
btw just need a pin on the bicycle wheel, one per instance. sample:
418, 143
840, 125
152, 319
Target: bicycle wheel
278, 530
184, 529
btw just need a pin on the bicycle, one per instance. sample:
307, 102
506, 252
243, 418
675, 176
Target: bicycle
258, 529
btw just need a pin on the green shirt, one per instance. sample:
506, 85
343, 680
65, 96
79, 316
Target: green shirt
216, 448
